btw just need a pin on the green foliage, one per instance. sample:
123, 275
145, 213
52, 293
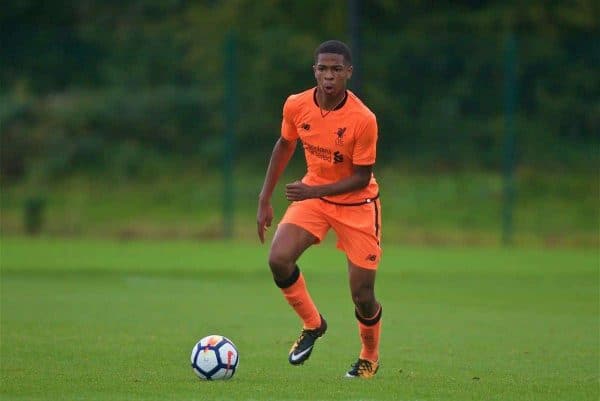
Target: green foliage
103, 130
102, 78
34, 215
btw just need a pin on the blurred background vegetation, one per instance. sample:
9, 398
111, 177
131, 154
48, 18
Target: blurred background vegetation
114, 114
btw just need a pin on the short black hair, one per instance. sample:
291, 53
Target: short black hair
335, 47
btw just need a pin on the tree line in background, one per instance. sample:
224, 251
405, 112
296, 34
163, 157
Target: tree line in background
91, 85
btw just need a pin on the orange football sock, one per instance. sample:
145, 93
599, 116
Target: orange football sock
369, 330
298, 297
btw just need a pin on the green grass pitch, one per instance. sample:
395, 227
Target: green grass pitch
104, 320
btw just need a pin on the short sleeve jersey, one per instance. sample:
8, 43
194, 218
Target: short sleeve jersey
333, 142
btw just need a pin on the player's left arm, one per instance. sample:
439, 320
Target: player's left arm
360, 178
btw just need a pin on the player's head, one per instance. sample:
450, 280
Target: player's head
334, 47
333, 67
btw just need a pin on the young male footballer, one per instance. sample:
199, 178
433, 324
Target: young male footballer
339, 191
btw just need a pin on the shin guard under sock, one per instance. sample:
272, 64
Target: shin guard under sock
295, 292
369, 330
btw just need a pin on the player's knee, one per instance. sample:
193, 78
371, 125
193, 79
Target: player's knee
281, 264
364, 299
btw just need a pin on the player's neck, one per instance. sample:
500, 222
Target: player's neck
329, 103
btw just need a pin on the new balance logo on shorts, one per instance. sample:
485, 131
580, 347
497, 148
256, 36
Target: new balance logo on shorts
371, 258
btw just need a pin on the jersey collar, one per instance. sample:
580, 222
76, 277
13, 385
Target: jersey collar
339, 106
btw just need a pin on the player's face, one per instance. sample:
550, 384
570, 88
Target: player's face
331, 73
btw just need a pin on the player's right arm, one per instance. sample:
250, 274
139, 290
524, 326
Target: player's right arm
280, 157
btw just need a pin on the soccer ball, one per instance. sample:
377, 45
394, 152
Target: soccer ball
214, 358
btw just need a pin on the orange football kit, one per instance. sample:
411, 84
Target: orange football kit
333, 141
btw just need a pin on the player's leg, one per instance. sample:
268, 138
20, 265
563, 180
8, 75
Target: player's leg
301, 227
358, 230
368, 315
289, 242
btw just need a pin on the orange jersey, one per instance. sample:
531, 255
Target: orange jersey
333, 142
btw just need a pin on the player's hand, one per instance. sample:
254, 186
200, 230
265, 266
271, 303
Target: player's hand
297, 191
264, 217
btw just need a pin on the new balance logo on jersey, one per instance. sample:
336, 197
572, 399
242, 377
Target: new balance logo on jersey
306, 127
340, 136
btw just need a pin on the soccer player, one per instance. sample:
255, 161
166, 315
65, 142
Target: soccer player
339, 136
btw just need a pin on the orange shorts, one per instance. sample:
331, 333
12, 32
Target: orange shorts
358, 228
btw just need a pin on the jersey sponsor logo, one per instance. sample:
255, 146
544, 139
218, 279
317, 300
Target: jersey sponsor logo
324, 153
321, 153
340, 136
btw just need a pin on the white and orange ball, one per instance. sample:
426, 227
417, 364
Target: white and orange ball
215, 357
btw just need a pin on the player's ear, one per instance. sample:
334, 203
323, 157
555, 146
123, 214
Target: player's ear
349, 71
